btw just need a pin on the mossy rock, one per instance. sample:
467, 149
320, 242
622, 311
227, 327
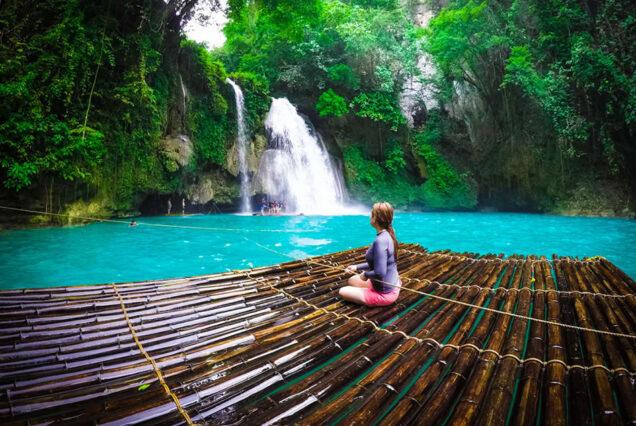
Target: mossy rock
255, 148
83, 211
40, 219
600, 198
217, 186
177, 152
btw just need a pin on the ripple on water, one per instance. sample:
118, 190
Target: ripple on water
298, 254
304, 241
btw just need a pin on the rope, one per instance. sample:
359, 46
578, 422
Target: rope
152, 361
536, 290
469, 305
446, 345
156, 224
595, 259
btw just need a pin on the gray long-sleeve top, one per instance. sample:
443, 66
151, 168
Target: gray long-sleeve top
380, 264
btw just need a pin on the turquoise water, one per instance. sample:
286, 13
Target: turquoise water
111, 252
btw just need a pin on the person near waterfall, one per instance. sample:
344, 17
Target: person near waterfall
379, 283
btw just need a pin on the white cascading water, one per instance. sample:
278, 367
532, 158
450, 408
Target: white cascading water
242, 146
296, 168
184, 94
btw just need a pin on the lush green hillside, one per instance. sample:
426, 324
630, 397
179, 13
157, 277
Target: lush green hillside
107, 109
554, 112
93, 117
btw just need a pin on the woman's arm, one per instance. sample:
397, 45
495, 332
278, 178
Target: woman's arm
361, 266
380, 259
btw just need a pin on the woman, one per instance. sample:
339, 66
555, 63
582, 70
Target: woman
369, 288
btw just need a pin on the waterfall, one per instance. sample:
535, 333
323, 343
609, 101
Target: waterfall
242, 146
296, 168
184, 93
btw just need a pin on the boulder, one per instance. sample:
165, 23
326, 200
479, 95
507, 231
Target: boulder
177, 151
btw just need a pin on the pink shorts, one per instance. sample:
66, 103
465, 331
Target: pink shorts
373, 298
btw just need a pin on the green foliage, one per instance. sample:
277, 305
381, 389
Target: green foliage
558, 75
209, 131
330, 103
379, 107
344, 75
267, 38
40, 130
352, 47
387, 4
519, 71
67, 63
25, 152
207, 110
457, 37
443, 188
251, 82
211, 71
395, 157
433, 132
369, 182
385, 79
441, 175
360, 170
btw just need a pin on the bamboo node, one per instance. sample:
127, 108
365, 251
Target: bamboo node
418, 403
389, 387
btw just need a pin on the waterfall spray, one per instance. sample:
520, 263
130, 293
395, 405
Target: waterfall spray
296, 168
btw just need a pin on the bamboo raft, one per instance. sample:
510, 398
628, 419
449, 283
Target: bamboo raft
276, 345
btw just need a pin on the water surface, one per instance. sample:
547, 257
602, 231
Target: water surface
111, 252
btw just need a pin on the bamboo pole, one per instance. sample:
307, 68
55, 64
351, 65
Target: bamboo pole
579, 402
608, 350
499, 398
477, 387
344, 369
555, 373
604, 408
527, 404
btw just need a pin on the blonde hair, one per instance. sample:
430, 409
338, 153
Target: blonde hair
382, 214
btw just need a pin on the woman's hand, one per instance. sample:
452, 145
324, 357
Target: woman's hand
351, 269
